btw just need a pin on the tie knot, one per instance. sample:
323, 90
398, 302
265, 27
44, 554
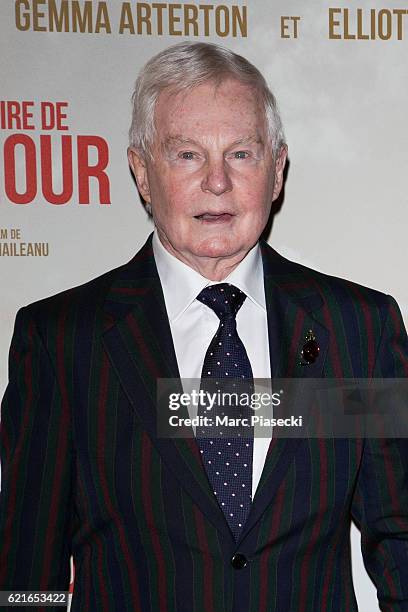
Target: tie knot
224, 299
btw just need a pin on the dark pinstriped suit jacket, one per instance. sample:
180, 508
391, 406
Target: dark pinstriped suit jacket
84, 474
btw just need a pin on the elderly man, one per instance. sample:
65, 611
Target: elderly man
225, 525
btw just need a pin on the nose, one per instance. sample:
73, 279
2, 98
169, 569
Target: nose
216, 179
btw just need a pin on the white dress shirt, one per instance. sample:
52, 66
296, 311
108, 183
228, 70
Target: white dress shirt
193, 324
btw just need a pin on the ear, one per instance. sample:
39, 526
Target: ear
139, 169
280, 162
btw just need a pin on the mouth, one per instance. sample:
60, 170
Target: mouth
214, 217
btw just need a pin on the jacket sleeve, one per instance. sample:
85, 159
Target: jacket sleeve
380, 502
36, 464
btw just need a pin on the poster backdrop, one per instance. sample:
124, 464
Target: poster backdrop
68, 207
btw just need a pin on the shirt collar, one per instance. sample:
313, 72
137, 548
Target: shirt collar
181, 284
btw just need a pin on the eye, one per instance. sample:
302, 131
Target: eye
187, 155
240, 154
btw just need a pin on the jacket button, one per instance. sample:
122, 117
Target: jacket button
239, 561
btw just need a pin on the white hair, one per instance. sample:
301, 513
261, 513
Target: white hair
187, 65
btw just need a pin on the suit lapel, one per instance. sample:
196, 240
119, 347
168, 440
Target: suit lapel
140, 347
291, 307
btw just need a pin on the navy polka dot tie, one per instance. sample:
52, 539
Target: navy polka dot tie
228, 460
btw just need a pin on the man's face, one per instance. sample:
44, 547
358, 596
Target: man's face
213, 178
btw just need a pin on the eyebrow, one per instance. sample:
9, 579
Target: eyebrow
176, 140
253, 139
180, 140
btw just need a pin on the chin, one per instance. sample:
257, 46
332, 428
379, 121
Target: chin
217, 247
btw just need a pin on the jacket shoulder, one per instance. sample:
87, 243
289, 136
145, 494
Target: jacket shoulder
81, 303
334, 290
